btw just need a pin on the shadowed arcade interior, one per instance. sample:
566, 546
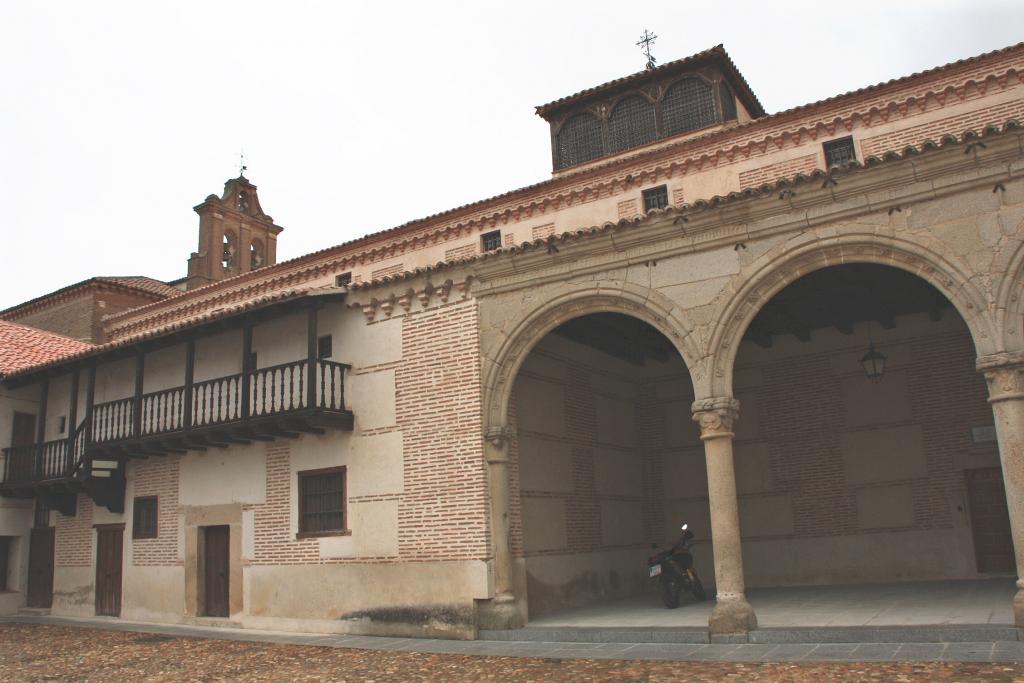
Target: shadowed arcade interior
840, 479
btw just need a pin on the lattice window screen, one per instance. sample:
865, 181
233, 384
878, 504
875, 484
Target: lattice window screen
688, 105
579, 140
631, 124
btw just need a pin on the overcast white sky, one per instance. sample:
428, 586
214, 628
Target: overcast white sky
116, 118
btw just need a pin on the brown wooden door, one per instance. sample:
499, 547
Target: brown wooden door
109, 543
23, 433
215, 571
990, 521
40, 567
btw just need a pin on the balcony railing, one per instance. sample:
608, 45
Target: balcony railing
190, 413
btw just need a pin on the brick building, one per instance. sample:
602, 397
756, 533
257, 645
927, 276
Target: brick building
488, 414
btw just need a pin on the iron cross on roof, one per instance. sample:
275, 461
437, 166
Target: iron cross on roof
645, 40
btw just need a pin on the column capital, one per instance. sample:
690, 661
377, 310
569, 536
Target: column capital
715, 416
499, 436
1004, 373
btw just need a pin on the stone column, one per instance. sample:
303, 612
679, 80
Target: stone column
732, 613
502, 611
1004, 373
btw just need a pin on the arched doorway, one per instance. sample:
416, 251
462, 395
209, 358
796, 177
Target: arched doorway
846, 479
606, 460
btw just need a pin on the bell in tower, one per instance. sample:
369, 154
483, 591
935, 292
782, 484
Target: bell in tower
235, 236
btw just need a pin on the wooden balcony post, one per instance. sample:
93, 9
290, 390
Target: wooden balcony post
312, 358
72, 422
190, 367
246, 368
90, 401
140, 370
41, 429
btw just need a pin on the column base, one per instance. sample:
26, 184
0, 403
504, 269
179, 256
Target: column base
732, 616
1018, 606
502, 612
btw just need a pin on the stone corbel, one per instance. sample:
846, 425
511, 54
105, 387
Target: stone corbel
444, 291
424, 294
463, 288
716, 416
388, 305
405, 301
370, 310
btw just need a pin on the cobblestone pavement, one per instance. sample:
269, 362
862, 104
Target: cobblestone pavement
33, 652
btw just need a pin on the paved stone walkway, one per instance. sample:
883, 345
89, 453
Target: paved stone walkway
1001, 651
911, 603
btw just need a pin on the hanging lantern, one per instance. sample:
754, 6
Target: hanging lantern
874, 363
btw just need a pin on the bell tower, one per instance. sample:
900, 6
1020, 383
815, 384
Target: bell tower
235, 236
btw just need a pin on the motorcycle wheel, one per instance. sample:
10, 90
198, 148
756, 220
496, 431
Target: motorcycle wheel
697, 588
670, 594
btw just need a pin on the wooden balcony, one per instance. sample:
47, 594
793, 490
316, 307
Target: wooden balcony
282, 401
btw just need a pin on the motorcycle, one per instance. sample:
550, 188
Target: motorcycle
674, 570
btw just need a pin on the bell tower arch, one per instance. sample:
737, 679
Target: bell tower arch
235, 236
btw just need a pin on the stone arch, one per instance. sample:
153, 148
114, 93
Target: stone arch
1010, 298
764, 278
507, 355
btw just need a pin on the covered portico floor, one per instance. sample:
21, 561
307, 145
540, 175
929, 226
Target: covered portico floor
931, 603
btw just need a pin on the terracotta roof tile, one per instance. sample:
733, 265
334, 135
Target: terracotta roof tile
154, 289
22, 347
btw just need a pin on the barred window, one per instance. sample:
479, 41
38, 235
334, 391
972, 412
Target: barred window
728, 101
839, 152
325, 346
655, 198
322, 501
489, 241
579, 140
631, 124
144, 517
688, 105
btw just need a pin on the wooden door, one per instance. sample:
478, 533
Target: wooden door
215, 570
109, 544
990, 521
40, 567
23, 433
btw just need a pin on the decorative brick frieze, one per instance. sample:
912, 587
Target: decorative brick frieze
782, 169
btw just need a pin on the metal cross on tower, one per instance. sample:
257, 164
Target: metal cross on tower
241, 163
645, 40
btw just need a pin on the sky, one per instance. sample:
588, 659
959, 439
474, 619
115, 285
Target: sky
116, 118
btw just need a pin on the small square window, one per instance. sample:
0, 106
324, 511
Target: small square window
322, 502
656, 198
343, 280
491, 240
839, 152
253, 358
62, 424
144, 517
324, 346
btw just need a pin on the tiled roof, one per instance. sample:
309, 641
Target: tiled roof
22, 347
86, 350
699, 205
153, 289
717, 52
735, 138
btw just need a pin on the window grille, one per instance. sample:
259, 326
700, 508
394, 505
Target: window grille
728, 102
41, 518
688, 105
632, 123
343, 280
655, 198
322, 501
839, 152
5, 552
491, 240
579, 140
144, 517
